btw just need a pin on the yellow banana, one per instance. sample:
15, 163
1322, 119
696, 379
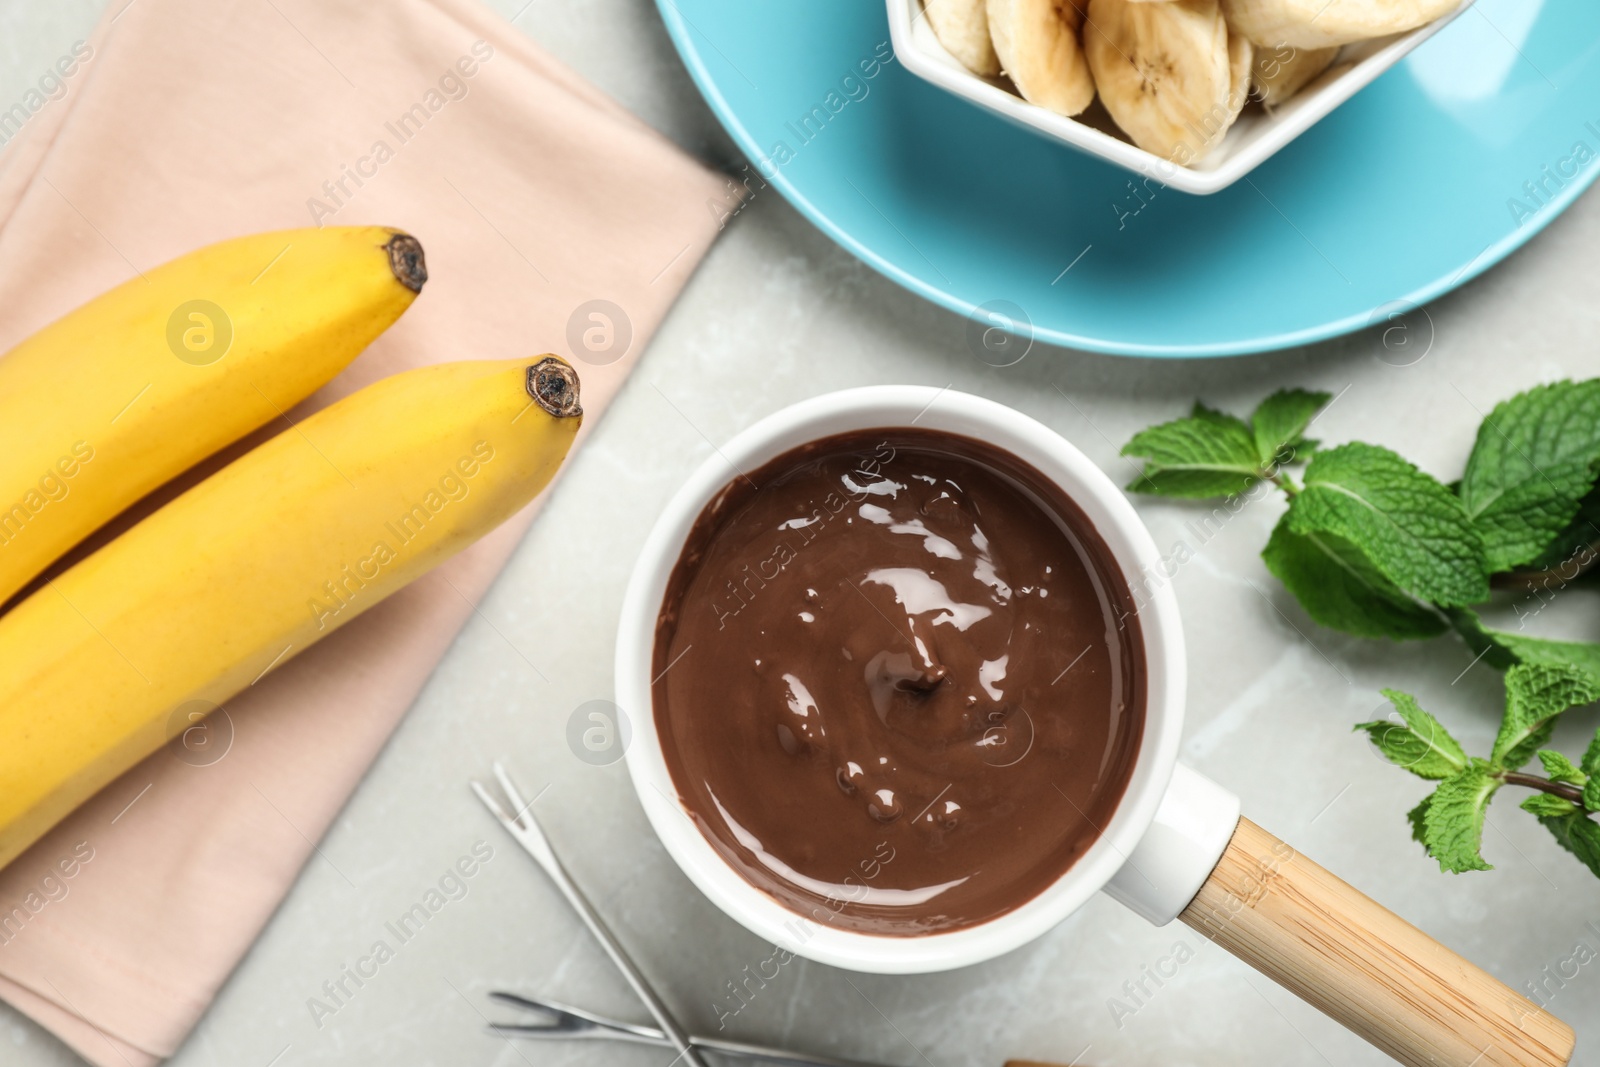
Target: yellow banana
144, 381
105, 662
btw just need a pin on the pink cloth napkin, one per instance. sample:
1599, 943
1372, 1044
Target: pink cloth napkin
187, 121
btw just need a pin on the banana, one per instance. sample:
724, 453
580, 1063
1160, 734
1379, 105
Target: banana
1241, 60
1165, 73
962, 26
1327, 23
142, 382
1037, 43
1282, 71
249, 567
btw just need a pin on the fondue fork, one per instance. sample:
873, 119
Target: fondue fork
560, 1022
526, 831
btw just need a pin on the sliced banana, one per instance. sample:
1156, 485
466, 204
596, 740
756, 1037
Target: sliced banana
1278, 73
962, 26
1165, 72
1326, 23
1241, 60
1037, 42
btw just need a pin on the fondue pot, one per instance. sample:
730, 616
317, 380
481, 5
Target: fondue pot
1176, 846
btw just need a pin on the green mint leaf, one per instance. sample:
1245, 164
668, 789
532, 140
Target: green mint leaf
1560, 768
1535, 695
1581, 655
1421, 745
1548, 807
1412, 528
1418, 818
1575, 546
1341, 589
1208, 454
1591, 767
1279, 424
1502, 648
1533, 461
1591, 758
1452, 824
1221, 419
1579, 835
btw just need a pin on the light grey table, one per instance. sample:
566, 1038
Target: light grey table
777, 313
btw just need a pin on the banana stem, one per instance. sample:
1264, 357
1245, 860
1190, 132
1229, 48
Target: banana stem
553, 384
406, 261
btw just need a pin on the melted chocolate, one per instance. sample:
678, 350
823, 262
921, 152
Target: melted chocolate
899, 680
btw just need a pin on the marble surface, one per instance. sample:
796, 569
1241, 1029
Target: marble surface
777, 313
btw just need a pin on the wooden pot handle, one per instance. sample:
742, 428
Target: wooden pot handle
1347, 955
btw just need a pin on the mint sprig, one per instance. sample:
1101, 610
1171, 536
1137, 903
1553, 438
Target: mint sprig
1534, 461
1535, 695
1411, 528
1417, 742
1279, 424
1373, 546
1452, 823
1449, 822
1205, 455
1212, 454
1579, 835
1571, 549
1341, 589
1501, 648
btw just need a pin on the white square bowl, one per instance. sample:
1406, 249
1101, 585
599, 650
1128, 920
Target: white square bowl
1257, 135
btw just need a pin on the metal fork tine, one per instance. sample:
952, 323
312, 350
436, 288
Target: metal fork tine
550, 1011
574, 1024
530, 835
491, 803
522, 826
558, 1021
557, 1010
518, 805
537, 1031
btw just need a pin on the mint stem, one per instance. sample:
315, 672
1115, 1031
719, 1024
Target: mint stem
1284, 482
1564, 790
1581, 562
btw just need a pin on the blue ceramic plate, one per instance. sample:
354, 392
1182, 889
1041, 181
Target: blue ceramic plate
1425, 179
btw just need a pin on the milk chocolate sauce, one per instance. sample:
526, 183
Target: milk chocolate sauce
899, 680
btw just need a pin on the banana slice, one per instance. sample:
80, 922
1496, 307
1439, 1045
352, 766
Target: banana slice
1241, 61
1326, 23
1165, 72
962, 26
1037, 43
1278, 73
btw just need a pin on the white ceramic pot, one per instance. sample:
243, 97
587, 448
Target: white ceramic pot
1176, 846
1171, 825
